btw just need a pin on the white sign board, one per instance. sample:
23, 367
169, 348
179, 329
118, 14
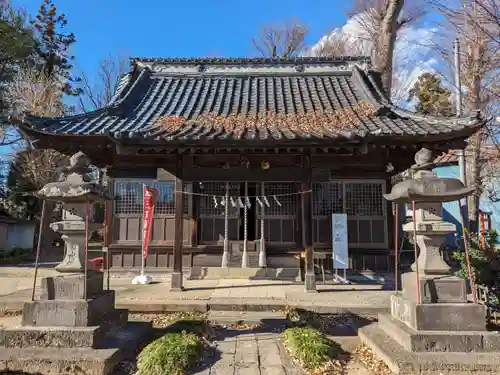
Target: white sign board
340, 242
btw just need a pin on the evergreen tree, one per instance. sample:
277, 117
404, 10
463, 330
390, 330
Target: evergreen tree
53, 45
433, 98
16, 48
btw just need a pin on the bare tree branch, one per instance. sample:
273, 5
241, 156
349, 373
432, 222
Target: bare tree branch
475, 23
283, 40
96, 94
338, 44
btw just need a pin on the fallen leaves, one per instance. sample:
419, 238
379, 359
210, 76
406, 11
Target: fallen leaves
366, 356
304, 123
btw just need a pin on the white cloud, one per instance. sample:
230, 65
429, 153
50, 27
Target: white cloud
414, 53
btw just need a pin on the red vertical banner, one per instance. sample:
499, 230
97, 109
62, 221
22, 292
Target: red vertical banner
150, 196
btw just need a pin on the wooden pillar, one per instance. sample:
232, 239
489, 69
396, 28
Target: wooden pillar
108, 222
307, 227
177, 278
195, 207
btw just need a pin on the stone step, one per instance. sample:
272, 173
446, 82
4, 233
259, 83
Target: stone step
51, 337
404, 362
62, 337
254, 273
236, 261
438, 341
228, 318
56, 361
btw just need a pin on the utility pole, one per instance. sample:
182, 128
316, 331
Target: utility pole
458, 110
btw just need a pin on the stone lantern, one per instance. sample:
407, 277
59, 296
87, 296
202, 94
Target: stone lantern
442, 320
74, 326
77, 194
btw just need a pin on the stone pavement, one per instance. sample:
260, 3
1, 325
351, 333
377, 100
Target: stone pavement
16, 284
260, 353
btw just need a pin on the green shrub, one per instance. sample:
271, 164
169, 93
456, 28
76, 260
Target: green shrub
171, 354
309, 347
485, 263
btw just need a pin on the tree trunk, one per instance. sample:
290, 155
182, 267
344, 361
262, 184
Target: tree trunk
474, 142
473, 178
383, 49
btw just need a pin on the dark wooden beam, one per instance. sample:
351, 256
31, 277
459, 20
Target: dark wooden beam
195, 204
177, 277
244, 174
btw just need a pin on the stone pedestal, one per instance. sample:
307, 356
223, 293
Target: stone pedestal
63, 330
62, 304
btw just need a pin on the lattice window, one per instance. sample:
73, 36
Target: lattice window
327, 198
364, 199
288, 202
129, 197
207, 203
165, 203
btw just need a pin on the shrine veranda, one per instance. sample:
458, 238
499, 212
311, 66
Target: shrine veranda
314, 136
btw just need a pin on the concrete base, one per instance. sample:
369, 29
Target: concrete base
176, 282
438, 341
69, 313
71, 287
83, 361
439, 316
403, 362
310, 283
207, 273
62, 337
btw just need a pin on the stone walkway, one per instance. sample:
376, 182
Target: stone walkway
237, 352
256, 354
16, 284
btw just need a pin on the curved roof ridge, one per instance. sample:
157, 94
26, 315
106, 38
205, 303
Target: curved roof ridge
377, 87
473, 117
125, 93
124, 88
360, 79
123, 84
95, 112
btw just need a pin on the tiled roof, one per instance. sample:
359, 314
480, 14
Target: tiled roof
225, 100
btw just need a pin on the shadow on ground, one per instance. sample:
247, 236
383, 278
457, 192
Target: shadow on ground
336, 325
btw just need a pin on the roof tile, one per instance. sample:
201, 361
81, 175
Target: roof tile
250, 99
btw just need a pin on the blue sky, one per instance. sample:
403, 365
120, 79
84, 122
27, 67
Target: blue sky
166, 28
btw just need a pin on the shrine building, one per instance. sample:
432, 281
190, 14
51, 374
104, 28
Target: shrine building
302, 138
